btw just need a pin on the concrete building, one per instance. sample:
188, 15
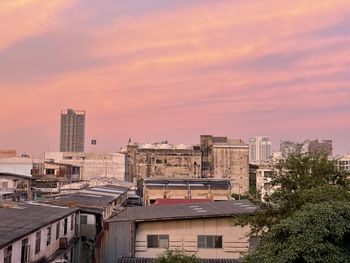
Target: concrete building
37, 233
17, 165
15, 187
72, 136
226, 158
209, 189
321, 147
92, 165
287, 148
96, 205
206, 229
162, 160
263, 181
260, 149
342, 162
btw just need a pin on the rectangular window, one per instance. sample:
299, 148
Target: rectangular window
50, 171
48, 238
25, 251
58, 230
209, 241
71, 222
8, 254
158, 241
65, 226
83, 220
37, 242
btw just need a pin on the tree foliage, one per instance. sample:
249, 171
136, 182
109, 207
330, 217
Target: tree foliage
315, 233
176, 256
302, 178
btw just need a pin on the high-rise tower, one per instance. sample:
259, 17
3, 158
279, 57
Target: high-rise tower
72, 136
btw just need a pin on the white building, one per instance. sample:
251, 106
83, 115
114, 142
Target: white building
260, 149
33, 233
93, 165
342, 162
263, 181
17, 165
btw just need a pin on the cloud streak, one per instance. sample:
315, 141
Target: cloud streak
176, 69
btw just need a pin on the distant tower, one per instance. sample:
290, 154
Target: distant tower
72, 136
260, 149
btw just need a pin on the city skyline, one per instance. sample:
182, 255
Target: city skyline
232, 68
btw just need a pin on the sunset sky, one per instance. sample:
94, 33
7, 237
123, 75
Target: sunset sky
174, 69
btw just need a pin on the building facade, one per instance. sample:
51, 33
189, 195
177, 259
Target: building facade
38, 234
342, 162
207, 229
162, 160
72, 136
260, 149
287, 148
92, 165
321, 147
209, 189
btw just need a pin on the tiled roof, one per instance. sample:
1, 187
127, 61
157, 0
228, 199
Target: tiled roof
185, 211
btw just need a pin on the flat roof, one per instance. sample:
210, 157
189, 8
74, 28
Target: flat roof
185, 211
21, 220
15, 175
222, 183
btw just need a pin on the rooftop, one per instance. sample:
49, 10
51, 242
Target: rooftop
95, 198
221, 183
15, 175
185, 211
21, 220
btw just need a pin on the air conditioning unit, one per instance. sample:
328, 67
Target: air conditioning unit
63, 243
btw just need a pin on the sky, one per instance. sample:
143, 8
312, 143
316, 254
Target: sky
174, 69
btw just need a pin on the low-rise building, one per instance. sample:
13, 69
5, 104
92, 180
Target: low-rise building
96, 205
17, 165
342, 162
37, 233
212, 189
263, 181
92, 165
15, 187
207, 229
8, 153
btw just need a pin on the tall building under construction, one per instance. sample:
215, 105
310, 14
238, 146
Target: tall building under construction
72, 136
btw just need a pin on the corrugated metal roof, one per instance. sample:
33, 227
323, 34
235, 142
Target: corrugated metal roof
152, 260
183, 211
16, 222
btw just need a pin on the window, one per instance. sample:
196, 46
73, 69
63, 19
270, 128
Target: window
25, 251
65, 226
37, 242
8, 254
48, 238
158, 241
58, 230
71, 222
83, 220
209, 242
50, 171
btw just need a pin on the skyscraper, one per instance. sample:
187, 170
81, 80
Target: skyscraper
260, 149
72, 135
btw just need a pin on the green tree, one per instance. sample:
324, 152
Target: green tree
315, 233
302, 178
176, 256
